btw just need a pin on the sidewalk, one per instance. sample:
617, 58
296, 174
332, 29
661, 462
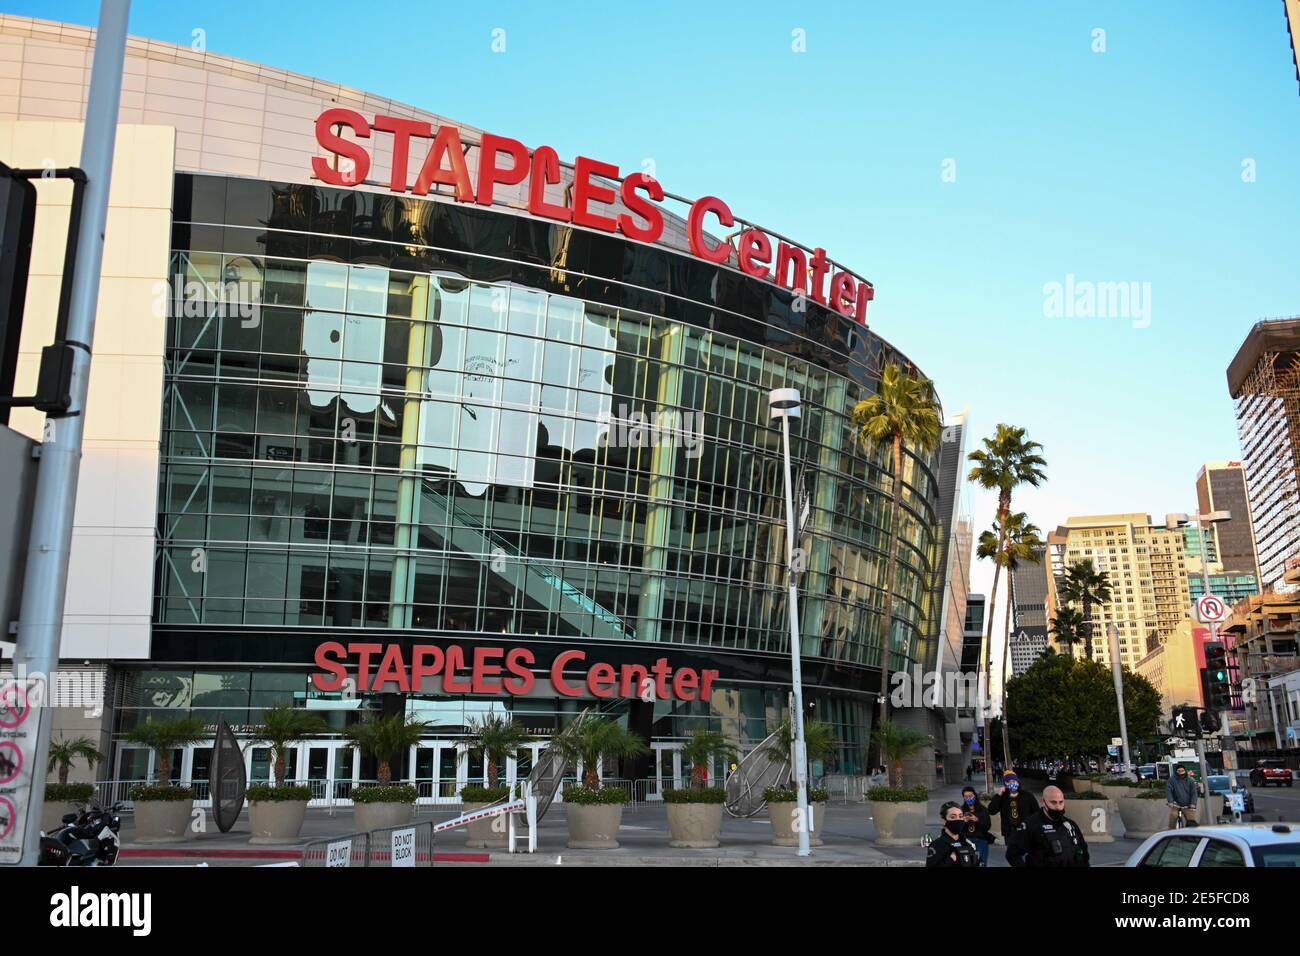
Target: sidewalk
848, 834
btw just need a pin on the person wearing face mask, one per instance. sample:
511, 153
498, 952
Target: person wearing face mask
1051, 838
1014, 805
951, 848
978, 823
1180, 794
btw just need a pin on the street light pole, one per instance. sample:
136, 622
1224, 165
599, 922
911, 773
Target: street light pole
1117, 674
784, 404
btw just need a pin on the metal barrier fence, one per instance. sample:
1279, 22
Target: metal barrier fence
410, 844
350, 849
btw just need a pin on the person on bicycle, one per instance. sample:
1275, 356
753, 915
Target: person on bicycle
1180, 795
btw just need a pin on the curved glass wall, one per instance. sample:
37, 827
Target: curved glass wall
349, 444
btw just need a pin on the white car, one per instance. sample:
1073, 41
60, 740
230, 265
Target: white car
1231, 845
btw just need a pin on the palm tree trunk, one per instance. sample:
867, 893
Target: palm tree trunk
590, 779
1006, 652
988, 657
1087, 626
63, 773
384, 773
887, 607
279, 766
492, 772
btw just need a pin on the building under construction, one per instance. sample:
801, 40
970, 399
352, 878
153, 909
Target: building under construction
1264, 380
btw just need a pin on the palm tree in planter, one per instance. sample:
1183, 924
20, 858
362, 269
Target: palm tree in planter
898, 811
594, 812
162, 811
695, 814
904, 409
276, 813
62, 797
499, 738
820, 742
383, 738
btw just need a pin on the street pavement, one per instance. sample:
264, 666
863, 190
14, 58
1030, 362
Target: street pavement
847, 830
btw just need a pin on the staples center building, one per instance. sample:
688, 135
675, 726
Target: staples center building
389, 413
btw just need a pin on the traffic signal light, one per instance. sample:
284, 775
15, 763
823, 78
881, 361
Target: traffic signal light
1210, 723
1215, 682
1185, 723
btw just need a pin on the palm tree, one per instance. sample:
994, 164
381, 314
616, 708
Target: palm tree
64, 753
819, 742
896, 743
699, 752
1067, 627
1019, 542
164, 736
1085, 585
385, 737
1006, 462
281, 725
593, 738
499, 738
904, 409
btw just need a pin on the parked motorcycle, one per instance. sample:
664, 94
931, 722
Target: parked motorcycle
88, 838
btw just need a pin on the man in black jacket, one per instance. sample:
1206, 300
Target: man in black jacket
1051, 838
951, 848
1014, 806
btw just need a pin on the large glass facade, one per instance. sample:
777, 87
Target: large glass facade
411, 421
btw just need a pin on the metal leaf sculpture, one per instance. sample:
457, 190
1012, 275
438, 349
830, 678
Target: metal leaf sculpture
762, 767
229, 780
548, 772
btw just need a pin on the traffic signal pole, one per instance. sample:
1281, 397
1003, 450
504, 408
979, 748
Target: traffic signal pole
45, 580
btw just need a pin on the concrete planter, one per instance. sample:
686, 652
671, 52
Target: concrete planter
695, 825
162, 821
276, 821
783, 816
593, 826
1079, 785
1113, 792
898, 824
488, 834
1084, 813
376, 816
1142, 817
53, 813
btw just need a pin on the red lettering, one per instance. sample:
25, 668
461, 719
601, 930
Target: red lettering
654, 219
343, 148
402, 130
490, 174
661, 671
865, 294
695, 228
557, 674
842, 293
455, 658
419, 670
585, 191
546, 169
600, 680
392, 670
684, 683
755, 253
518, 662
483, 670
447, 142
634, 676
324, 662
706, 683
820, 266
363, 652
791, 267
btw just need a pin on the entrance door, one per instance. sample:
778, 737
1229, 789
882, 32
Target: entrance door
667, 769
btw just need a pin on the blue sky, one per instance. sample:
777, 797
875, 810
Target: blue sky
1115, 166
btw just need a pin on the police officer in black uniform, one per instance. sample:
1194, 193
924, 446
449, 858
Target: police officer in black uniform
951, 848
1051, 838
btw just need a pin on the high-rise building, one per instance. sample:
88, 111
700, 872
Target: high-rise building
1221, 486
1147, 568
1264, 380
1029, 610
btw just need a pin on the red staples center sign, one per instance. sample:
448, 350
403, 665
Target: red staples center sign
507, 162
494, 671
